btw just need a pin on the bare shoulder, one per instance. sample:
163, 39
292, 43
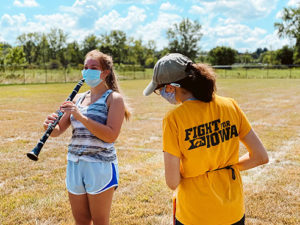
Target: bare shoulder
116, 95
115, 98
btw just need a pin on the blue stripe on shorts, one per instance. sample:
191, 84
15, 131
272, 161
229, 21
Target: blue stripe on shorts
113, 182
91, 177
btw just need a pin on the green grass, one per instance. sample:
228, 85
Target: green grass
35, 193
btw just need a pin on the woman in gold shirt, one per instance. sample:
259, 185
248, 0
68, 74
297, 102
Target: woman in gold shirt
201, 144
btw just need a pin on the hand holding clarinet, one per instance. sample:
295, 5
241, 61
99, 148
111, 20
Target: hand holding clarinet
49, 121
68, 108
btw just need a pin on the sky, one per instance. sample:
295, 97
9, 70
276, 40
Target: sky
244, 25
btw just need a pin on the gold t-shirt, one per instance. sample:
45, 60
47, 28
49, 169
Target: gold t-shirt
205, 136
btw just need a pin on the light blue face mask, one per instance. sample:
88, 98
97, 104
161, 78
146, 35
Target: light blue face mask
169, 96
91, 77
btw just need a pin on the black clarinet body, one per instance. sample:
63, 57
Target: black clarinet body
33, 155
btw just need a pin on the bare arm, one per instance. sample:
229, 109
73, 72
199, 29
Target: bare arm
172, 170
257, 154
107, 132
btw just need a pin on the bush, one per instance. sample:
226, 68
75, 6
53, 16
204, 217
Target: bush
149, 62
80, 66
54, 64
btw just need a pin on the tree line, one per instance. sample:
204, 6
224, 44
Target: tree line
53, 51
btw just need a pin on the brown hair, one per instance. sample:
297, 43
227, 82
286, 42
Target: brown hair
106, 63
201, 81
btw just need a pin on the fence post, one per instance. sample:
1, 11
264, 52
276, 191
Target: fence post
46, 78
65, 75
24, 74
46, 73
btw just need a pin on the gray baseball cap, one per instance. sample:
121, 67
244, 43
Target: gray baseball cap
168, 69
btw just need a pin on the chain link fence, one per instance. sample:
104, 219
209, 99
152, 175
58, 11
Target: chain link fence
258, 71
29, 75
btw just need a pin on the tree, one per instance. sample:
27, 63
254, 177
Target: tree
202, 57
119, 47
290, 27
150, 54
258, 52
114, 44
74, 54
269, 57
44, 48
57, 40
90, 43
30, 43
4, 49
222, 55
106, 44
15, 56
245, 58
284, 55
184, 38
138, 52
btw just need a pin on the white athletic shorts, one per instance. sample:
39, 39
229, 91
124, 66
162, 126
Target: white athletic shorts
91, 177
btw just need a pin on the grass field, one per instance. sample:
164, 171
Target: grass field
35, 193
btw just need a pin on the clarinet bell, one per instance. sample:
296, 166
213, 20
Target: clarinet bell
32, 156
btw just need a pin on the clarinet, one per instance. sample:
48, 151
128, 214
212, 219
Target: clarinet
33, 155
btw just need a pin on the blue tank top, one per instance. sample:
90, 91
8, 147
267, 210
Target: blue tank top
84, 145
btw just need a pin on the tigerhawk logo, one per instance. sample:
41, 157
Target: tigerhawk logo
210, 134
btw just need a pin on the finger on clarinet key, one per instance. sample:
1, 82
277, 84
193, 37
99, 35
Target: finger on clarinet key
62, 108
46, 124
54, 115
67, 103
51, 117
65, 109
